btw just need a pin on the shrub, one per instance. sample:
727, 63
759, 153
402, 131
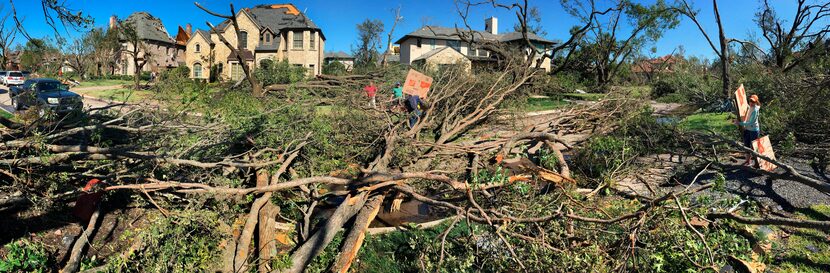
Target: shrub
187, 241
334, 68
279, 73
24, 256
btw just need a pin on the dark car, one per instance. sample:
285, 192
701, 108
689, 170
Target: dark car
48, 94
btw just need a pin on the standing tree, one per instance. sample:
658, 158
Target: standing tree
256, 85
78, 54
792, 43
623, 31
7, 35
37, 55
398, 19
105, 47
534, 23
134, 48
368, 39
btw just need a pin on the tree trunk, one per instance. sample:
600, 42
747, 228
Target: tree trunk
323, 236
353, 241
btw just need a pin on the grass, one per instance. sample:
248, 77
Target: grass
637, 91
5, 114
104, 83
543, 104
586, 96
119, 94
720, 123
805, 250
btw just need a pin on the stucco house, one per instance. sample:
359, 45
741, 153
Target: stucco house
427, 42
268, 32
158, 50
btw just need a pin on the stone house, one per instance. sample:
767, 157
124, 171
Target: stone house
341, 57
157, 50
427, 40
268, 32
442, 56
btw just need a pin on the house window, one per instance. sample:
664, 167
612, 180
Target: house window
236, 71
418, 41
298, 40
197, 70
265, 38
219, 68
311, 40
431, 43
243, 40
311, 69
198, 48
454, 45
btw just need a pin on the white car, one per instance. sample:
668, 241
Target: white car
13, 78
2, 75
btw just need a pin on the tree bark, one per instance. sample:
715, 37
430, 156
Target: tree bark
323, 236
353, 241
75, 256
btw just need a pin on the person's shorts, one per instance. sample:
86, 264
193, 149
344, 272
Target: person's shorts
749, 137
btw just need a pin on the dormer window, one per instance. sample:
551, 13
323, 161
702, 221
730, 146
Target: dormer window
265, 38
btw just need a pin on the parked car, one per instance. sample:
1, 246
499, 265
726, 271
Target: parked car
2, 75
47, 94
13, 78
26, 74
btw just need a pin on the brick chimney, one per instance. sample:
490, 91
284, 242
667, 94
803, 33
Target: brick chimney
188, 28
113, 22
491, 25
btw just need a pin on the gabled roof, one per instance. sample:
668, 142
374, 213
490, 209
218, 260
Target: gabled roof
445, 33
338, 55
278, 17
204, 33
434, 52
148, 27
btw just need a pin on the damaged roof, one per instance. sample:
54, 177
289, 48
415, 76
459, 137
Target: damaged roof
338, 55
278, 17
148, 27
446, 33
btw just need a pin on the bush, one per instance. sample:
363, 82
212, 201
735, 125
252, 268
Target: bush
279, 73
187, 241
334, 68
24, 256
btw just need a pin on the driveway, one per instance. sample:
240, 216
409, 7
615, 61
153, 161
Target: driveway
6, 103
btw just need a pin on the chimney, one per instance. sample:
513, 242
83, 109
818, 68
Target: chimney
113, 22
491, 25
188, 28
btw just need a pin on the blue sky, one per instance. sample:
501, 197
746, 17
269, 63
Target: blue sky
338, 18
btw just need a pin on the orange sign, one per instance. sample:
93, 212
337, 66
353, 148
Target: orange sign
743, 105
764, 147
417, 84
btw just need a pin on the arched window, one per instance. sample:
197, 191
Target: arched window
198, 47
243, 40
197, 70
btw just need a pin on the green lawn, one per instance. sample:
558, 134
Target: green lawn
543, 104
120, 94
720, 123
104, 83
586, 96
5, 114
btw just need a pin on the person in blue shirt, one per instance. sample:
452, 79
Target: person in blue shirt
752, 126
413, 106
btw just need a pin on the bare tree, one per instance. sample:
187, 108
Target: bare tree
789, 45
78, 54
256, 86
7, 35
133, 48
398, 18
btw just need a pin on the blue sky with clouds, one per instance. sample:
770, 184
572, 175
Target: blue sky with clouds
338, 18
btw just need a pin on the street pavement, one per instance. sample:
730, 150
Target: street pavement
6, 103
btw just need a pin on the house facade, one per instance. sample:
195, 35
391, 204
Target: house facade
341, 57
157, 50
267, 32
425, 42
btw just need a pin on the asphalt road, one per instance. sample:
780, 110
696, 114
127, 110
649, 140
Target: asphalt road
6, 103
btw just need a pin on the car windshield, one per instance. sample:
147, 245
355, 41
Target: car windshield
15, 74
51, 86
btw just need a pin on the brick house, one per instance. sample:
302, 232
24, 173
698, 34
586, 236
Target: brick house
427, 44
158, 50
268, 32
